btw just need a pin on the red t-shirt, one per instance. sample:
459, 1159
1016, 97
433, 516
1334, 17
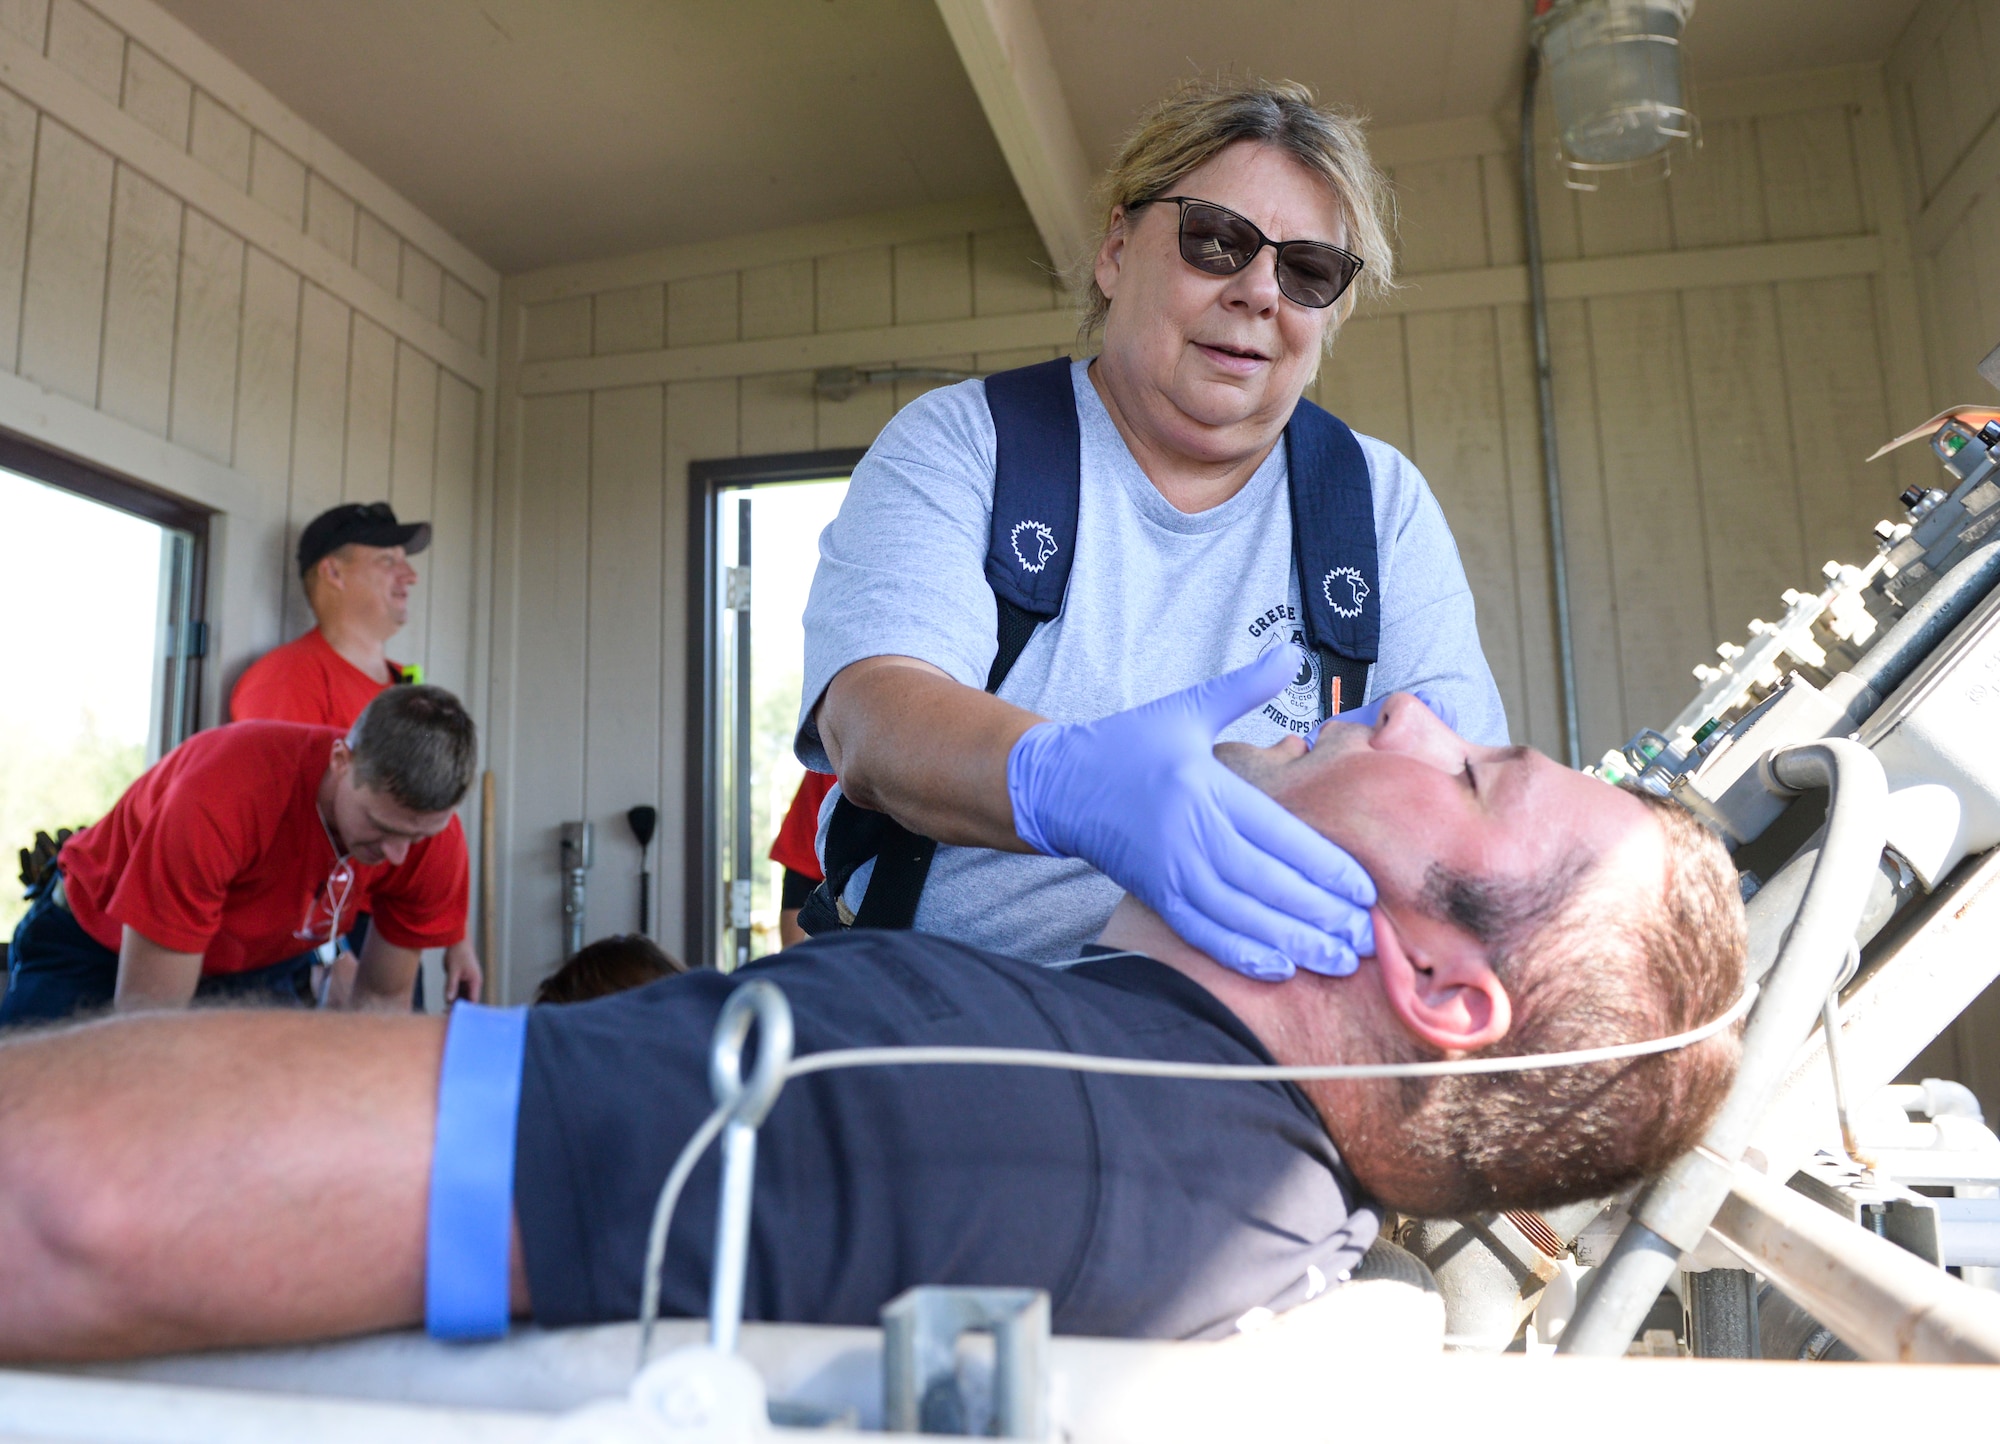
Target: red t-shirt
218, 849
304, 681
796, 838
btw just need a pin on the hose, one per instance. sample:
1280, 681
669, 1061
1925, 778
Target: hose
1889, 663
1674, 1211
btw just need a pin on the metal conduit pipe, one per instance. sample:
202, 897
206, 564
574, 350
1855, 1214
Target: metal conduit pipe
1885, 1303
1674, 1211
1538, 305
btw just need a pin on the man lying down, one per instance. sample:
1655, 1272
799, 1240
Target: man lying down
227, 1178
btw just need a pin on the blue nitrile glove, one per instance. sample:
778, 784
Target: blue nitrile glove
1371, 713
1140, 797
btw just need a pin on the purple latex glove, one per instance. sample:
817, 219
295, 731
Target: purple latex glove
1140, 797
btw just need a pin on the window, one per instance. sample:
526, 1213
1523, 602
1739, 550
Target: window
756, 535
101, 582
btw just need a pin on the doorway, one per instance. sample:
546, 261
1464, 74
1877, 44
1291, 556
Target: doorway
756, 531
101, 585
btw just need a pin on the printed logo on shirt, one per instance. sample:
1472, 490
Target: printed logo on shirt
1296, 709
1345, 590
1033, 545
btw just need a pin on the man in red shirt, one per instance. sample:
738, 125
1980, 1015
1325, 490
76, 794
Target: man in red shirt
354, 561
245, 852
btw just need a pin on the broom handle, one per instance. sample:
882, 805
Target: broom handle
489, 930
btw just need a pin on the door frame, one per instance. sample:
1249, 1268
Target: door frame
704, 817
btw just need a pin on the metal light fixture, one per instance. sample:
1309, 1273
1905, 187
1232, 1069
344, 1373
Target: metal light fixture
1614, 69
837, 383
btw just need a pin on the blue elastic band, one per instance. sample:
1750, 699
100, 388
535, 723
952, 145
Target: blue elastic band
472, 1173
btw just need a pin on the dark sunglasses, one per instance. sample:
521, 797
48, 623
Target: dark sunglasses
1217, 241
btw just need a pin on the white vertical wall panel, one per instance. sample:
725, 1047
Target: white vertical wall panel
371, 412
17, 183
88, 46
269, 356
220, 140
157, 96
628, 568
69, 233
136, 377
319, 426
208, 333
411, 484
459, 498
543, 772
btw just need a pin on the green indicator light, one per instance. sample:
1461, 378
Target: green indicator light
1953, 444
1649, 750
1703, 732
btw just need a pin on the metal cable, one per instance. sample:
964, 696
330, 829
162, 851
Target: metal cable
663, 1217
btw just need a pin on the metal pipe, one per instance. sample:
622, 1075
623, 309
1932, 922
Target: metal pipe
1671, 1214
1884, 1302
746, 701
1830, 1030
1887, 665
1538, 306
763, 1004
732, 1235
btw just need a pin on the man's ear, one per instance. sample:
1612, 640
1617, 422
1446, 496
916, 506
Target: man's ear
1439, 984
1111, 255
342, 761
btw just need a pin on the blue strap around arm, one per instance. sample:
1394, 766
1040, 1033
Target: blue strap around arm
472, 1173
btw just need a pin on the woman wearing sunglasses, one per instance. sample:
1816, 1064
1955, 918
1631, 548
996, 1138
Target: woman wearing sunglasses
1242, 222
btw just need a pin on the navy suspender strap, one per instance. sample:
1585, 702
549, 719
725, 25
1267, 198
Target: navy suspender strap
1333, 552
1037, 486
1037, 483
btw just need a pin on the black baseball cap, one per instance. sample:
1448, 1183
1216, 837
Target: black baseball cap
370, 524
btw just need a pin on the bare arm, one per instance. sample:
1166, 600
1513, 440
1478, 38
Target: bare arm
907, 740
150, 976
387, 976
463, 976
215, 1179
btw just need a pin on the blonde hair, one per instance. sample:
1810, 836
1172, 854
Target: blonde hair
1198, 119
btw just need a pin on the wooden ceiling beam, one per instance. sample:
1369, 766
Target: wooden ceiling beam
1007, 57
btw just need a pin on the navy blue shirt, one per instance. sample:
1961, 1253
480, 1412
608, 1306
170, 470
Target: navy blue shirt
1153, 1208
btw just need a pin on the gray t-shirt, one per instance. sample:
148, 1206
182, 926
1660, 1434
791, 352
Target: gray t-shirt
1158, 600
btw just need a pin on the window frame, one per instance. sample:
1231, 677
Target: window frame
80, 478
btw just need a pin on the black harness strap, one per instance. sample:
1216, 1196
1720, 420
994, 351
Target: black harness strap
1333, 552
1037, 483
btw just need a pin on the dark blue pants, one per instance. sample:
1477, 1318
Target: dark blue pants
57, 970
